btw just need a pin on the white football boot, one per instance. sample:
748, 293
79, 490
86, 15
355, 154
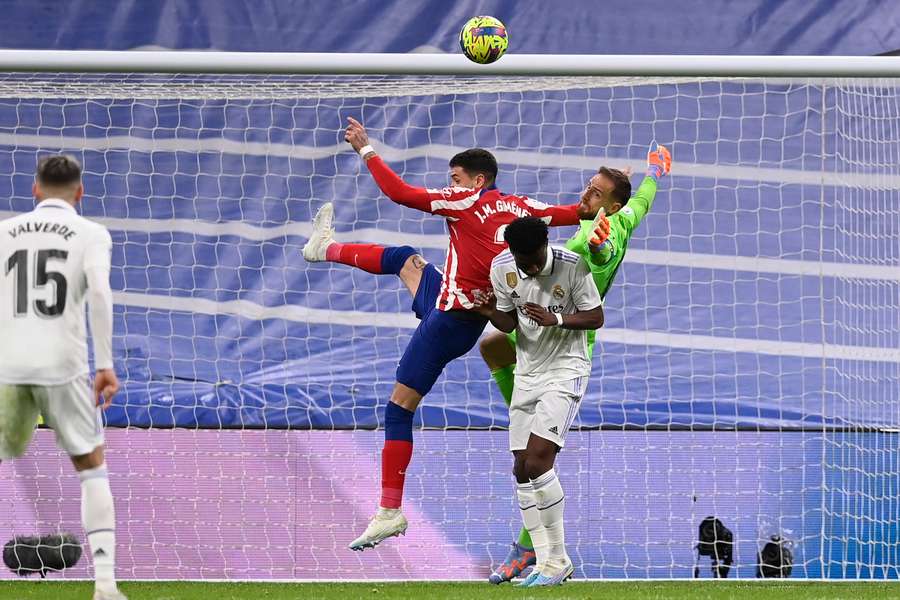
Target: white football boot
555, 572
386, 523
322, 234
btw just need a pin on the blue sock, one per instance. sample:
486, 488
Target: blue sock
393, 259
398, 423
396, 455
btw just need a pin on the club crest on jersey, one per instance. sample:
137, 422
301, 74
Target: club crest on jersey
558, 292
512, 280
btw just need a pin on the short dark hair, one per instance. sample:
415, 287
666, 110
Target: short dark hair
58, 170
476, 160
621, 183
526, 235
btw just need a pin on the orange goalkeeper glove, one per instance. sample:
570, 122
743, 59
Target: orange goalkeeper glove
600, 232
659, 162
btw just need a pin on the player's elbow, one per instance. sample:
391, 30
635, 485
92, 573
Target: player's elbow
100, 293
505, 325
596, 318
409, 200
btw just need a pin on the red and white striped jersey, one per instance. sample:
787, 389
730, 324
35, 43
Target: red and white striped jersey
476, 220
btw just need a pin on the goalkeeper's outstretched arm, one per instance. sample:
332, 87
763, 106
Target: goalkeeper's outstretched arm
602, 242
659, 163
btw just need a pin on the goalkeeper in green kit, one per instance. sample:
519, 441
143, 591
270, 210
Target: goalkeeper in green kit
602, 243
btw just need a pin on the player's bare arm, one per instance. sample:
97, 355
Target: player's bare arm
50, 376
486, 304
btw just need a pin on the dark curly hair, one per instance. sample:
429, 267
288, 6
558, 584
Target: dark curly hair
526, 235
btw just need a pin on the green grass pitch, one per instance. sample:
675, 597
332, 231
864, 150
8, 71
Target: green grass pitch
645, 590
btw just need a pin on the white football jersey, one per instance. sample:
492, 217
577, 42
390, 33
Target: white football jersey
545, 355
45, 254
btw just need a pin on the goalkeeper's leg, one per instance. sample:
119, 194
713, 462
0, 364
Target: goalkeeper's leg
498, 350
402, 261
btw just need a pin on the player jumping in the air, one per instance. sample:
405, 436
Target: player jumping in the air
602, 243
54, 260
477, 213
548, 297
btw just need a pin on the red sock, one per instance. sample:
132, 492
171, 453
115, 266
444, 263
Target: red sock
362, 256
394, 460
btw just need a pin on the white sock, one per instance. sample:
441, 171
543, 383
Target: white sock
551, 503
99, 520
532, 521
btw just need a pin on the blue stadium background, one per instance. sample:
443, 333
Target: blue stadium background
213, 367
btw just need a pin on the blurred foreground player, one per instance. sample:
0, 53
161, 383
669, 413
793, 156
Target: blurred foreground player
54, 261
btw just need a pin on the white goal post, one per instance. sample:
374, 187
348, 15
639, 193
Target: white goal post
322, 63
749, 367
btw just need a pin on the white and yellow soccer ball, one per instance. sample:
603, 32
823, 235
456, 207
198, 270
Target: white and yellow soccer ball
483, 39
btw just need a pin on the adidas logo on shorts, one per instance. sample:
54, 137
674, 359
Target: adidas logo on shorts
554, 430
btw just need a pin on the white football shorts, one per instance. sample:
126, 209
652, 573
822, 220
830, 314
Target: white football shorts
546, 412
68, 409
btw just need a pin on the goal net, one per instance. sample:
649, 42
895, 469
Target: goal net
748, 369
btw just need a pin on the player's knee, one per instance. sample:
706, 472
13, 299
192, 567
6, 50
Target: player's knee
411, 272
412, 269
493, 348
519, 470
91, 460
486, 346
538, 464
414, 263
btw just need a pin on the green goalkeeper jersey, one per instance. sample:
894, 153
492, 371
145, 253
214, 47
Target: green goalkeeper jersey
605, 264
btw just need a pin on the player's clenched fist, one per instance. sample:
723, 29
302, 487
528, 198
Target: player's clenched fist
600, 232
355, 134
484, 301
659, 162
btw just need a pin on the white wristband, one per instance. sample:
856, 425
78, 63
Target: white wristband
365, 150
558, 319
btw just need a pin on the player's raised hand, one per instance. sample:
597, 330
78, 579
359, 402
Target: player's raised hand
600, 231
539, 314
106, 384
355, 134
484, 301
659, 162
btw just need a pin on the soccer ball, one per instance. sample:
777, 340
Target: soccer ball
483, 39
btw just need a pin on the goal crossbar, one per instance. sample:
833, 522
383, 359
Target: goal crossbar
288, 63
